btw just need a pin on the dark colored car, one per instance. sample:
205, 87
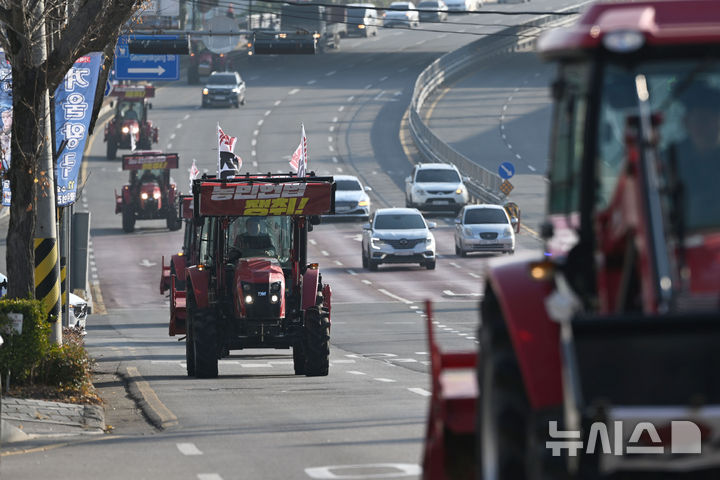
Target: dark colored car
224, 88
433, 11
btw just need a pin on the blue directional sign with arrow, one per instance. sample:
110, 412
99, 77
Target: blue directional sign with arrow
506, 170
145, 67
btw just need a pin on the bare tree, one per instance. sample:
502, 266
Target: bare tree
67, 30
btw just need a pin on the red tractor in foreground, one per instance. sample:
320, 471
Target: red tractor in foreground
599, 357
251, 285
130, 128
151, 193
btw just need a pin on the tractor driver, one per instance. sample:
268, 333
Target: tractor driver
252, 242
130, 113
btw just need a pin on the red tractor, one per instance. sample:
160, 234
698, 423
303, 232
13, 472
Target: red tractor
151, 193
251, 285
203, 62
130, 128
599, 356
172, 277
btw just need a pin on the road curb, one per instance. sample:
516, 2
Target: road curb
140, 391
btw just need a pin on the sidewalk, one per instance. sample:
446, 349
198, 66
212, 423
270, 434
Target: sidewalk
27, 419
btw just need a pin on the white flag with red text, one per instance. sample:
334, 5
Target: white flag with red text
298, 162
194, 173
228, 163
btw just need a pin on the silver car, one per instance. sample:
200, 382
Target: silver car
483, 228
401, 13
351, 198
398, 235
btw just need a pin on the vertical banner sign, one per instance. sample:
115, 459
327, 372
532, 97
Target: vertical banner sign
6, 117
228, 163
74, 100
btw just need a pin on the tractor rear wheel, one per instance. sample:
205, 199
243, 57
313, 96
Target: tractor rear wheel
299, 357
511, 440
144, 143
128, 219
111, 149
172, 221
189, 345
205, 344
317, 342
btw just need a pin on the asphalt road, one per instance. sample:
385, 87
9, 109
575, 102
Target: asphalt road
366, 419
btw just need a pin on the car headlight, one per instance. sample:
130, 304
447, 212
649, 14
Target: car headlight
235, 90
460, 190
205, 91
467, 231
363, 203
429, 240
507, 232
419, 190
144, 195
377, 242
125, 130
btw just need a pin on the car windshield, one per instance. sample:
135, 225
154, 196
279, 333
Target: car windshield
400, 6
428, 5
437, 175
222, 80
356, 13
477, 216
398, 221
685, 97
347, 185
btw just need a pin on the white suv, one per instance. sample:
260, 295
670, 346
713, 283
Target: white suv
398, 235
435, 186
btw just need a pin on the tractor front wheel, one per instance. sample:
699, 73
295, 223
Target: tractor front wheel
128, 219
317, 342
204, 335
172, 221
189, 345
299, 357
111, 149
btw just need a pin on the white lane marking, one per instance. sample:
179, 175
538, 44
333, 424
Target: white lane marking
253, 142
385, 380
396, 297
382, 79
172, 136
342, 361
312, 241
209, 476
179, 125
338, 262
355, 372
531, 168
331, 148
187, 115
422, 353
341, 108
351, 98
474, 275
463, 334
281, 362
188, 449
330, 139
420, 391
330, 73
277, 102
377, 97
169, 146
414, 307
368, 86
256, 133
335, 119
260, 122
352, 272
311, 82
255, 365
471, 338
442, 36
404, 360
332, 128
335, 160
454, 264
267, 112
366, 282
420, 42
517, 155
325, 252
293, 91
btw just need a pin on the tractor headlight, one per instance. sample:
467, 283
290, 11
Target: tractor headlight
144, 195
135, 129
205, 91
156, 195
125, 129
249, 299
274, 298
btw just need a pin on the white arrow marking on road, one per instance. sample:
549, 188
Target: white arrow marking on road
147, 263
159, 70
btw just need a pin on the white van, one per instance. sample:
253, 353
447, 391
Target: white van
362, 20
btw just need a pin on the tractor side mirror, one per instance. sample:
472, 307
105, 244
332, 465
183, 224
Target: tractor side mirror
315, 220
150, 106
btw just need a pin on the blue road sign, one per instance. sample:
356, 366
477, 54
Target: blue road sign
145, 67
506, 170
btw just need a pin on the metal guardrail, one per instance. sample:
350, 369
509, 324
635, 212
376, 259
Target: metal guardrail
484, 184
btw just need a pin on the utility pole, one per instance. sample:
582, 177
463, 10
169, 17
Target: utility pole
47, 270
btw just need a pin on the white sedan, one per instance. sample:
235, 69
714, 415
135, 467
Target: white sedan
401, 13
483, 228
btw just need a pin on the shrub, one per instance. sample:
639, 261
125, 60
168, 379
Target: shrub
22, 354
66, 366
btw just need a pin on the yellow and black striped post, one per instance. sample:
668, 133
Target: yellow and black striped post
47, 283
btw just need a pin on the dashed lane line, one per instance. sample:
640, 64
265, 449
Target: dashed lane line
420, 391
188, 449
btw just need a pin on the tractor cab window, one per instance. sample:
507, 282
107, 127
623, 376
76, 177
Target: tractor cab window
207, 241
260, 237
567, 147
129, 110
